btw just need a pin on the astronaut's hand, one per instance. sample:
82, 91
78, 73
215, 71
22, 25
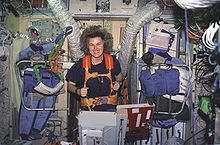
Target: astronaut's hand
84, 92
116, 86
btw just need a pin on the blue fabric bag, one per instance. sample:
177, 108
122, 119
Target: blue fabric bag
163, 81
165, 123
47, 77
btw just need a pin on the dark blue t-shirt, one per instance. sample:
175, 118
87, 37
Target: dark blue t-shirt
98, 86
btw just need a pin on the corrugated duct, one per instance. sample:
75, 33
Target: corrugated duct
134, 24
65, 19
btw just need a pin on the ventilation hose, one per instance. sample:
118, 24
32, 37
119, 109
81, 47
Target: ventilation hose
134, 24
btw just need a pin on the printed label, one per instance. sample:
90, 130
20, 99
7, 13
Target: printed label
138, 120
148, 114
135, 110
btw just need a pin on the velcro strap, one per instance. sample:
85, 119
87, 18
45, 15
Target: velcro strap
68, 30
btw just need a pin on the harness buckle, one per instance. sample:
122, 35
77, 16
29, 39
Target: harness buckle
94, 74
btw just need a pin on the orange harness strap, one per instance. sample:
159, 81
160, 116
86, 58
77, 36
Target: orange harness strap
108, 61
92, 102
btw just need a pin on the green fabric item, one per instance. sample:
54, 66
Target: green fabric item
14, 91
204, 105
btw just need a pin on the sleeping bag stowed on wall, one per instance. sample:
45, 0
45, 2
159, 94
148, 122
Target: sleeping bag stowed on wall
159, 82
36, 120
184, 85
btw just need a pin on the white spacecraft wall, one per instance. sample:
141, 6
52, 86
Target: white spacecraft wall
112, 8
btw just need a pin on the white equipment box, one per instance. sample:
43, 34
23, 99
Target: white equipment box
113, 128
102, 128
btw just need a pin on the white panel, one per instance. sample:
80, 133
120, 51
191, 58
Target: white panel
112, 26
155, 28
82, 7
87, 8
118, 7
179, 130
104, 118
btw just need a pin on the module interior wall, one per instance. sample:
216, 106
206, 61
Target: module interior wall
116, 8
113, 26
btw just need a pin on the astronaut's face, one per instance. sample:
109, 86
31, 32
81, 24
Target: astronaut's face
96, 47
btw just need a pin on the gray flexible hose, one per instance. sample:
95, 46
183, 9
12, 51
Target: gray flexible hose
65, 19
134, 24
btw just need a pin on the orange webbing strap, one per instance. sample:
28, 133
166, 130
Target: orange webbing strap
87, 61
87, 102
111, 99
87, 65
109, 65
108, 61
54, 67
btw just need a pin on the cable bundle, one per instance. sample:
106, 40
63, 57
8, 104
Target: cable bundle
203, 68
209, 34
193, 4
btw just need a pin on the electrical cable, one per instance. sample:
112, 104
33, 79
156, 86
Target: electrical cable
35, 9
209, 34
210, 60
192, 27
20, 5
40, 11
165, 3
30, 6
190, 73
203, 68
198, 27
194, 34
